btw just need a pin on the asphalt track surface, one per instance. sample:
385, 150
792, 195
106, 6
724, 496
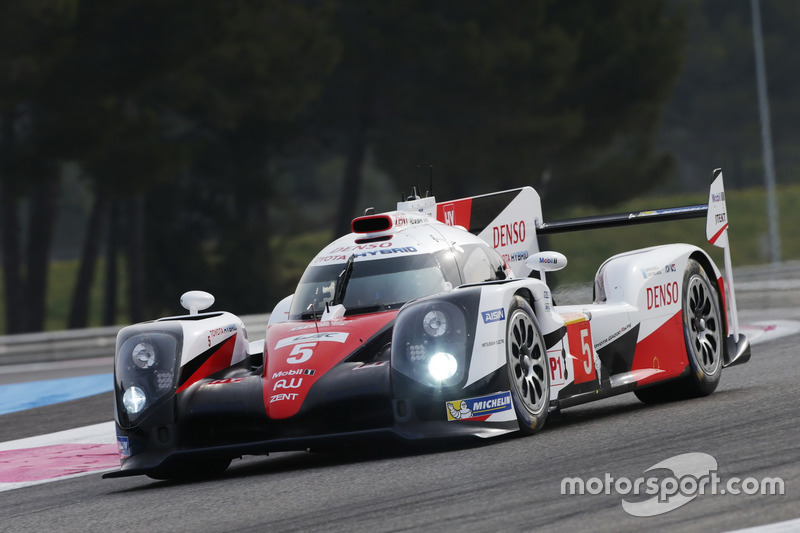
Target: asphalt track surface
749, 425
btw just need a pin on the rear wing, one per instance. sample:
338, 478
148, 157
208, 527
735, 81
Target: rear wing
714, 211
511, 221
716, 215
622, 219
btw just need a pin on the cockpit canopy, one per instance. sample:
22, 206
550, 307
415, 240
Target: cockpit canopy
372, 285
367, 286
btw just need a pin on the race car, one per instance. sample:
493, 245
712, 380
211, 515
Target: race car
433, 321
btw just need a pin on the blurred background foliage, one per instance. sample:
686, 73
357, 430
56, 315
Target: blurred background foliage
149, 147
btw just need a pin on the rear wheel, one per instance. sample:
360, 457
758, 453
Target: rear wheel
526, 355
703, 330
703, 333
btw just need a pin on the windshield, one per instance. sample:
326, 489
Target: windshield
372, 285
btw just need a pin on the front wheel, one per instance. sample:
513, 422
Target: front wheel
526, 355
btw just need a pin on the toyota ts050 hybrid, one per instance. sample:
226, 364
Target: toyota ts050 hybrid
425, 323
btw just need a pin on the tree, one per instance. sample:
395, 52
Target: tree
191, 81
565, 96
34, 37
211, 228
135, 91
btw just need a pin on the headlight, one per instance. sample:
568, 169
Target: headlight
442, 366
134, 400
144, 355
435, 323
145, 369
430, 343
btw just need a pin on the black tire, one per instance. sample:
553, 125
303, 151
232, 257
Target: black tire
703, 331
528, 373
192, 470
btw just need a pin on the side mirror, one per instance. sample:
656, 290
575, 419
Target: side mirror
546, 261
281, 311
196, 301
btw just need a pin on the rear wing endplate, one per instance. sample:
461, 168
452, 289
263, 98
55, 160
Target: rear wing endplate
715, 212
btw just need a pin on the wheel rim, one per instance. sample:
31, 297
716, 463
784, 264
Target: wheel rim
526, 361
702, 320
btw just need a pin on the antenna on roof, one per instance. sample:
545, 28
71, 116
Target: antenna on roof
416, 191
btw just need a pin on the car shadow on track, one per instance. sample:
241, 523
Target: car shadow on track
626, 404
280, 462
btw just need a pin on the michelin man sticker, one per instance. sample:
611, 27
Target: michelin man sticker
479, 408
462, 412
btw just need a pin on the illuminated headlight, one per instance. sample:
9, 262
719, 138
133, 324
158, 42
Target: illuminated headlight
144, 355
134, 400
442, 366
430, 343
435, 323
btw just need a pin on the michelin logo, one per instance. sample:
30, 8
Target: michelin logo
478, 408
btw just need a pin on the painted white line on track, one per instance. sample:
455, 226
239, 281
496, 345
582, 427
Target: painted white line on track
102, 433
768, 330
769, 285
57, 365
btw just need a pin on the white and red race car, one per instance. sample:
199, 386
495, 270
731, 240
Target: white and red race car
424, 323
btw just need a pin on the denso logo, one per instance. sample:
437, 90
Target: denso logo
508, 234
662, 295
359, 247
